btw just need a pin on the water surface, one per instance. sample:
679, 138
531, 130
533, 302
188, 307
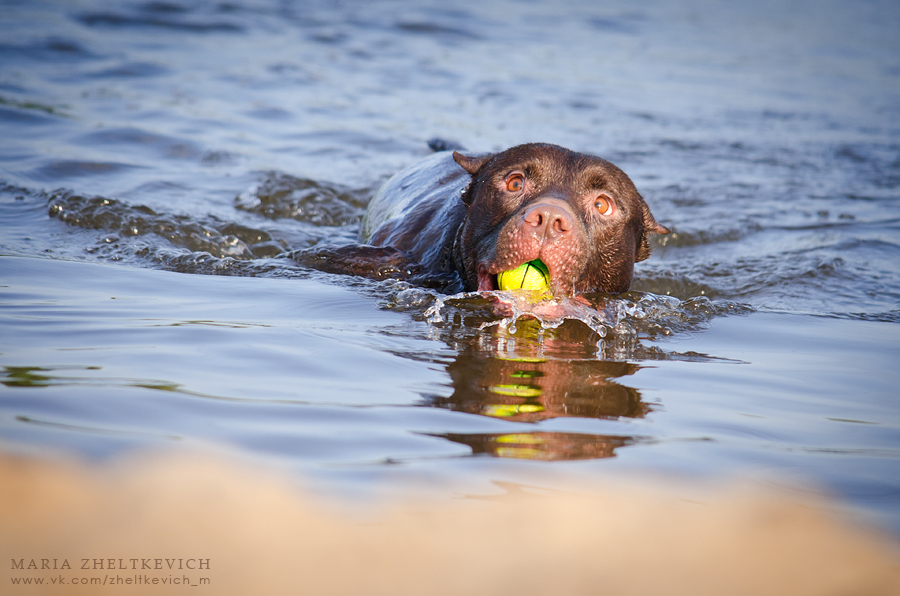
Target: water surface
161, 159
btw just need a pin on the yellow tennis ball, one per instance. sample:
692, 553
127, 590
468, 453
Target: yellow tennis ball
532, 275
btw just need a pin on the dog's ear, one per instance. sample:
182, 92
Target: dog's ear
473, 163
651, 226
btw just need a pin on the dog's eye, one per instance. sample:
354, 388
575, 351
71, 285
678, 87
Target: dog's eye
515, 182
604, 205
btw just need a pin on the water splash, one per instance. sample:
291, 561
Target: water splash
636, 314
550, 313
280, 195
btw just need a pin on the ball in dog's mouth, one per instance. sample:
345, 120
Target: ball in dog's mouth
533, 275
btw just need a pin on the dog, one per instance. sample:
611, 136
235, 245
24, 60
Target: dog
455, 221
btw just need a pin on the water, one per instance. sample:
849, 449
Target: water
160, 159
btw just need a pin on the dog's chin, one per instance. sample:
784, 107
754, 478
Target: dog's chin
531, 304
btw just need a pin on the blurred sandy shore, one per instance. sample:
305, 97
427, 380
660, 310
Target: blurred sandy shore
228, 529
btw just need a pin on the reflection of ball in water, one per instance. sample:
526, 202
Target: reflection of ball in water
532, 275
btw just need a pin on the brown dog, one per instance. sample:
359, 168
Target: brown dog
455, 221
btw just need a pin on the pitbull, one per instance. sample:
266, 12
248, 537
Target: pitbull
455, 221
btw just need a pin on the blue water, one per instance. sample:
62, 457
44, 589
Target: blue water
159, 156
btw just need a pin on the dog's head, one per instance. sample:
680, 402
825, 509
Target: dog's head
579, 214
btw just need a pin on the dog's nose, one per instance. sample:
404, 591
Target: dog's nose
548, 220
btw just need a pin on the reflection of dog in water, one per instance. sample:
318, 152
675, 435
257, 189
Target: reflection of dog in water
144, 520
521, 379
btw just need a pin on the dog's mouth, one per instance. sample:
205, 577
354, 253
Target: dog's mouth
486, 281
562, 283
488, 275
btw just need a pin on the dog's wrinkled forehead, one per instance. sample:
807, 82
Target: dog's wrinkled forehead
547, 155
552, 163
533, 160
547, 167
